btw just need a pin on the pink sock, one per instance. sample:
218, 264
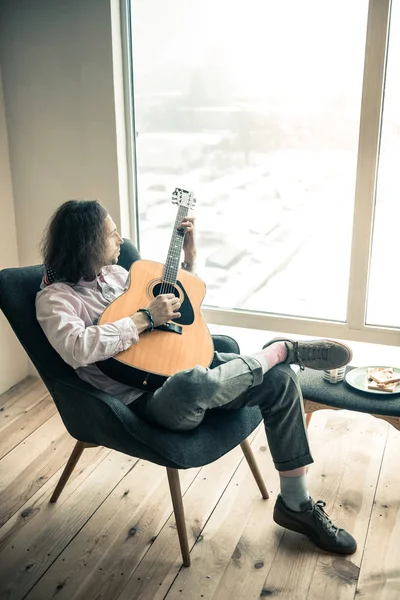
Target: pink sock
271, 355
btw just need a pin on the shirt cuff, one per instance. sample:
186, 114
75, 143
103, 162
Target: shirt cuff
128, 333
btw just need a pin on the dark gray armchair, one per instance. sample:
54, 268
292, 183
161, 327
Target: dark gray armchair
95, 418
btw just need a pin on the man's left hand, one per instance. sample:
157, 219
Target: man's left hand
189, 241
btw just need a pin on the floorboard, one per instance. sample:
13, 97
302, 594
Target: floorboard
112, 535
380, 569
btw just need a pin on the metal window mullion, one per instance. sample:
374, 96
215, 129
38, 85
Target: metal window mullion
368, 156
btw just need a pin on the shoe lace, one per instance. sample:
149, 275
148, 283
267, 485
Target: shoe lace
323, 519
312, 352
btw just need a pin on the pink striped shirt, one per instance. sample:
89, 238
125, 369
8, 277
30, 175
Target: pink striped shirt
68, 315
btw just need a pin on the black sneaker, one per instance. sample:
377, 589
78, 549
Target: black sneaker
316, 354
313, 521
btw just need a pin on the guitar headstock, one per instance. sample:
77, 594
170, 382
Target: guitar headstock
183, 198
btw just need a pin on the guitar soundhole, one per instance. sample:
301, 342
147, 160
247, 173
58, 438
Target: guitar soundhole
186, 309
165, 288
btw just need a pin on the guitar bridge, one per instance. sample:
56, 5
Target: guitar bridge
172, 327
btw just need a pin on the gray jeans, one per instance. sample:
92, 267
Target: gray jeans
232, 382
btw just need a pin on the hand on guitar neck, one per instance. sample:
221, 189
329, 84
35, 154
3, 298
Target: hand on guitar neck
163, 308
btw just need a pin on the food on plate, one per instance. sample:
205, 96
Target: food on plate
382, 379
382, 387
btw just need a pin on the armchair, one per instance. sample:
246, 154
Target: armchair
96, 418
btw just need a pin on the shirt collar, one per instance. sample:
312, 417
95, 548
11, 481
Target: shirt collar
104, 271
82, 282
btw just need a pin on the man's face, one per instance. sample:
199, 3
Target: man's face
114, 241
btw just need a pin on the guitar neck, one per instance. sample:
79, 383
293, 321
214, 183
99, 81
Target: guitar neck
175, 248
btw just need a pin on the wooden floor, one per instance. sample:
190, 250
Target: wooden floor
111, 535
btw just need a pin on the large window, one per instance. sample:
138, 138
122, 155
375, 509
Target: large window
255, 106
384, 287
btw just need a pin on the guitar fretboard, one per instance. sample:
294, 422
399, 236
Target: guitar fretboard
175, 248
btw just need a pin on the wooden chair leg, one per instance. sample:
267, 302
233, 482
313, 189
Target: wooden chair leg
176, 496
69, 467
248, 452
308, 418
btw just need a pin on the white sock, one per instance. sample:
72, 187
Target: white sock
294, 491
271, 355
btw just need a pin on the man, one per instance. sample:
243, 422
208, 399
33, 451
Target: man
80, 251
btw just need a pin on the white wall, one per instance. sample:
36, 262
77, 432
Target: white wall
13, 361
56, 59
57, 68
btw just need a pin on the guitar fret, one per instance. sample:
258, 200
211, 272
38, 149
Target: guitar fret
172, 263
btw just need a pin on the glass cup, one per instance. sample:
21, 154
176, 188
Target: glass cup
334, 375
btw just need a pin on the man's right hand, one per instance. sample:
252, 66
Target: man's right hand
163, 308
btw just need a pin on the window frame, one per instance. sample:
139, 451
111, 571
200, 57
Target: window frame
355, 327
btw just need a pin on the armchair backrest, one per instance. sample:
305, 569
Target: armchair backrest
18, 289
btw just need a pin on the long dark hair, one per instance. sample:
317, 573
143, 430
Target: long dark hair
74, 241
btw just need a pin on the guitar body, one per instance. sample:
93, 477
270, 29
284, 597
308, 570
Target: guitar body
181, 344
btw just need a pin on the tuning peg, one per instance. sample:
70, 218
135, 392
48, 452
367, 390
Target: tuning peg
183, 197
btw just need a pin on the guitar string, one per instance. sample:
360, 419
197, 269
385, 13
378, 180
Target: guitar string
165, 284
171, 269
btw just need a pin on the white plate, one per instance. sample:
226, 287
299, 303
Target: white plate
358, 378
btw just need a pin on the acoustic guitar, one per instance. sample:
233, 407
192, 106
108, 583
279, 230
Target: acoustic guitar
176, 345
